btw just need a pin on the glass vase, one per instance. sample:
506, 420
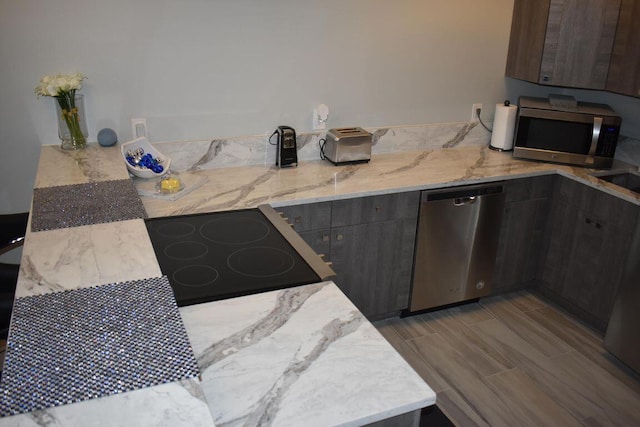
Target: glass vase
72, 125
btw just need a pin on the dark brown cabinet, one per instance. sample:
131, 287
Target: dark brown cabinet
624, 70
370, 242
566, 239
373, 263
522, 233
562, 42
586, 248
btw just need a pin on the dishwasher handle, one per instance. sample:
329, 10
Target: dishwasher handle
464, 201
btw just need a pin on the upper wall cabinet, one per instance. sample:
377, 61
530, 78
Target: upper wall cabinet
562, 42
624, 71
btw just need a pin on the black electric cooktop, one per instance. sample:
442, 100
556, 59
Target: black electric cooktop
220, 255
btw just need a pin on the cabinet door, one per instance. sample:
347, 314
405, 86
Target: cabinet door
521, 241
561, 230
578, 43
526, 43
595, 265
562, 42
624, 69
373, 264
520, 247
588, 236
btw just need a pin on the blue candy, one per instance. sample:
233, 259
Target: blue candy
145, 161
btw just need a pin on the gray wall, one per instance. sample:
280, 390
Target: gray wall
216, 68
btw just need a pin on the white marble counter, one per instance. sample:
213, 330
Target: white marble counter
168, 405
93, 164
80, 257
77, 257
104, 253
249, 186
303, 356
314, 180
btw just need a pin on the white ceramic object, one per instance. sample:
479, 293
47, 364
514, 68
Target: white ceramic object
145, 145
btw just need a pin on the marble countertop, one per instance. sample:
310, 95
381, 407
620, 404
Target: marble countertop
97, 254
249, 186
300, 356
175, 404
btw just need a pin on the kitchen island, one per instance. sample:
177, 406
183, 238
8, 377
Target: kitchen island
335, 367
98, 254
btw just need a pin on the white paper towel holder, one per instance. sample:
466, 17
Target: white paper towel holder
503, 133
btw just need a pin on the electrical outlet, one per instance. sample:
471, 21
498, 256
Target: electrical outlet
474, 115
320, 117
138, 128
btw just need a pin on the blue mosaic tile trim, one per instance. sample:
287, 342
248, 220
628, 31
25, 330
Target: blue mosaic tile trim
85, 204
87, 343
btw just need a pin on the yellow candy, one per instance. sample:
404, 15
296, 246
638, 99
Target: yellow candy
170, 184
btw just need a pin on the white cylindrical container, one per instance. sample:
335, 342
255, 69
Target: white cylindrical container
504, 123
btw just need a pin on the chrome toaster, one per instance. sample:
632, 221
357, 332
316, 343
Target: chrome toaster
347, 145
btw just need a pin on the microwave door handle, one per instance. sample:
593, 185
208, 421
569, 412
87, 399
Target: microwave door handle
595, 137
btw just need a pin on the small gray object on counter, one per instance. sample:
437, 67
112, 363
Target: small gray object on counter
87, 343
107, 137
85, 204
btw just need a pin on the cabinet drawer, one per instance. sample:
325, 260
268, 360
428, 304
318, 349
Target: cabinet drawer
308, 217
366, 210
524, 189
597, 203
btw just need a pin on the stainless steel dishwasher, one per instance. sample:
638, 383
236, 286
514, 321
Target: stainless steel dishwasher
456, 245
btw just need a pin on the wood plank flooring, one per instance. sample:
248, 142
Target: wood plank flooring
516, 360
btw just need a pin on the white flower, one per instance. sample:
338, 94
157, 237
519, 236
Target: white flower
59, 84
50, 90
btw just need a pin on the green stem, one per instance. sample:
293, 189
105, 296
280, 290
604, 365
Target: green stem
71, 117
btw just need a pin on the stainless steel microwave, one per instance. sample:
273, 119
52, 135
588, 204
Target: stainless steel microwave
583, 134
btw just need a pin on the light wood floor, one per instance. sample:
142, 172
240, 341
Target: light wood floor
516, 360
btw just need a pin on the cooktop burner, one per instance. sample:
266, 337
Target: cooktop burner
221, 255
261, 262
231, 231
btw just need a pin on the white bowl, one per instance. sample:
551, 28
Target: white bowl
145, 145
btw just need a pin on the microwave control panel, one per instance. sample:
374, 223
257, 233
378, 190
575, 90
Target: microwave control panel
608, 140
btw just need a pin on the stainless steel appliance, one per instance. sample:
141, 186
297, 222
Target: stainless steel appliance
623, 330
458, 231
585, 134
227, 254
287, 147
347, 145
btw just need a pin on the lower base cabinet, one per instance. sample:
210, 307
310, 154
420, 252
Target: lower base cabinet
522, 233
565, 239
586, 249
370, 243
373, 263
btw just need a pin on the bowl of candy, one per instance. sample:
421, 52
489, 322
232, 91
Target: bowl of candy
169, 183
143, 160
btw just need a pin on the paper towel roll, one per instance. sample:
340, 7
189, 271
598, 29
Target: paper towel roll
504, 123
